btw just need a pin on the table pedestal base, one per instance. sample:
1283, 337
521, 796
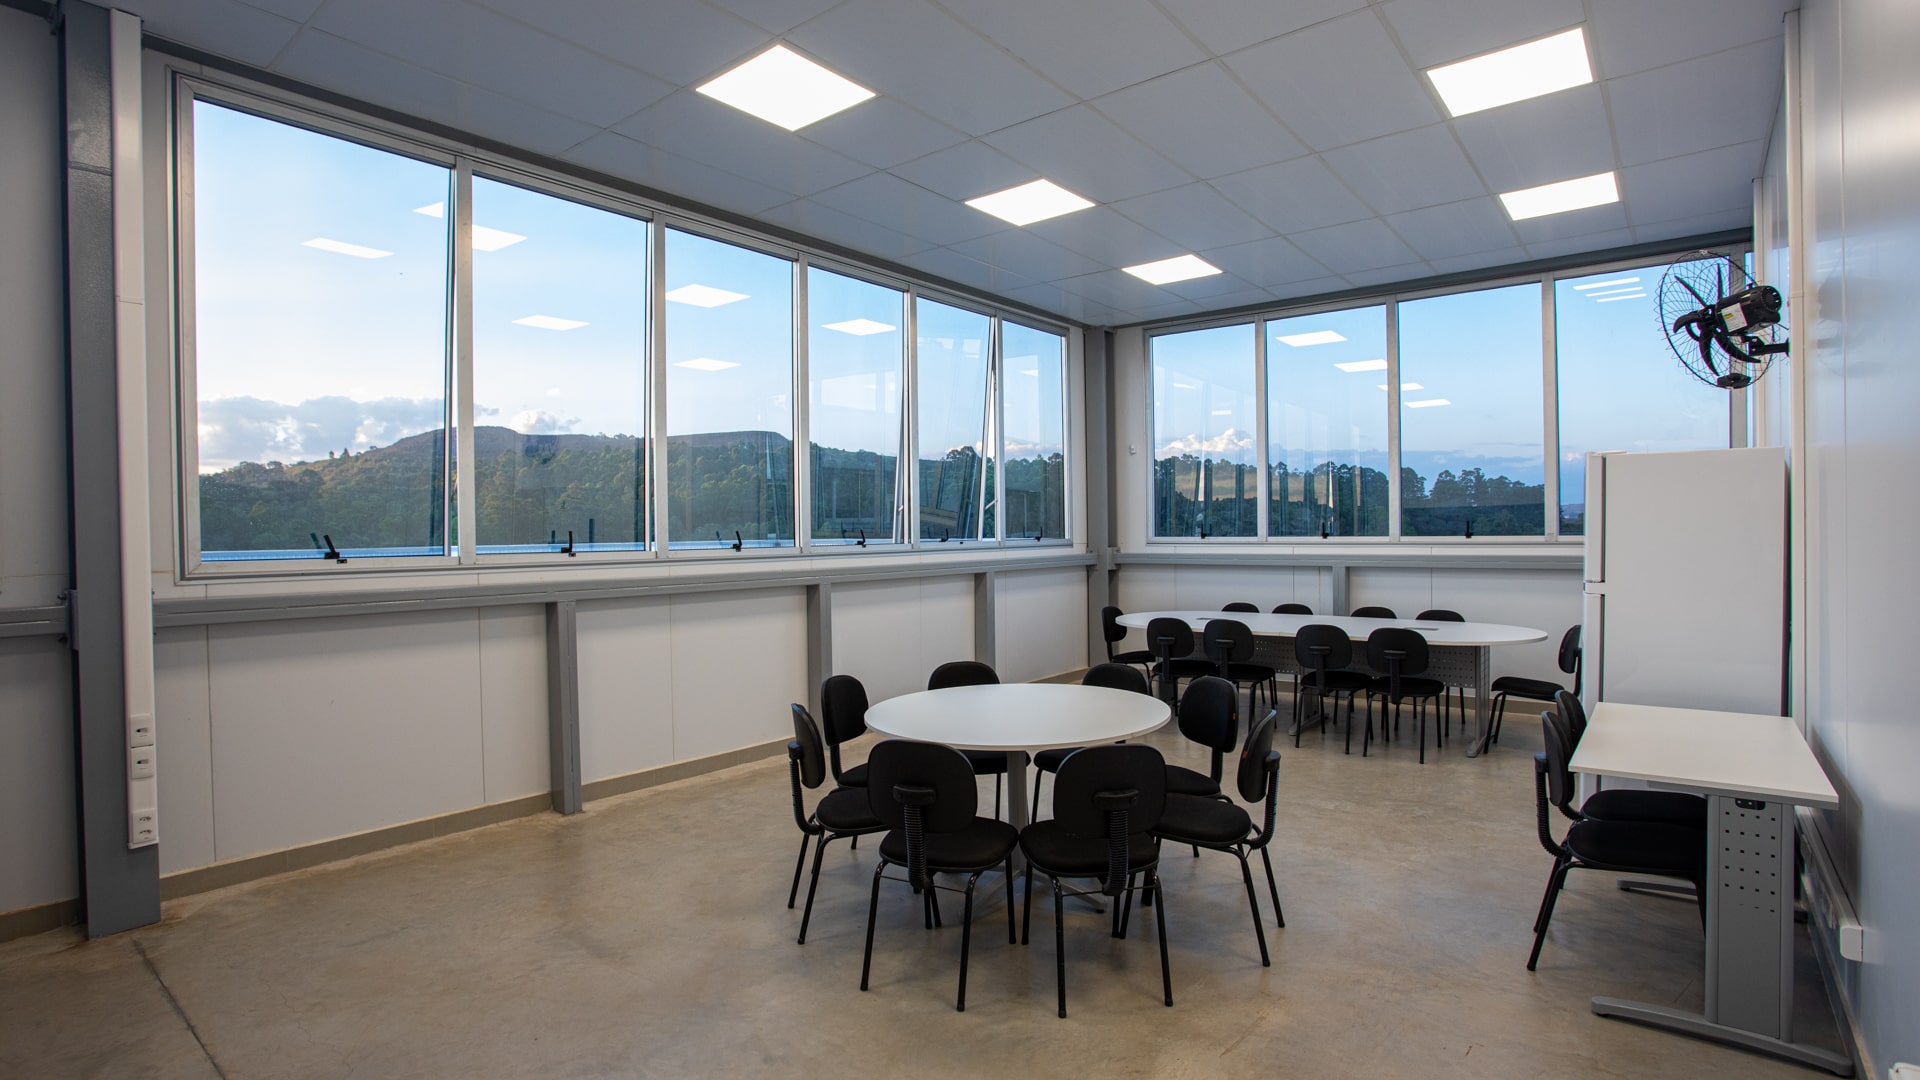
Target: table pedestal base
1698, 1026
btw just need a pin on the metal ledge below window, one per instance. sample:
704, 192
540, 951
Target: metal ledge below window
1244, 557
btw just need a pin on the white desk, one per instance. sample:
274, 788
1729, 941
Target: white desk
1753, 770
1475, 639
1016, 718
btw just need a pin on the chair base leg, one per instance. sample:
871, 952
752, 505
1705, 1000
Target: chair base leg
1253, 902
1160, 916
1554, 884
873, 915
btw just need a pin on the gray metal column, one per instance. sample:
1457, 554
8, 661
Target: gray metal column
120, 888
819, 640
984, 587
1097, 452
563, 706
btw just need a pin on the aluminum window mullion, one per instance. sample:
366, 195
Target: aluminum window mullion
656, 438
187, 407
990, 443
1262, 409
910, 421
1550, 406
463, 462
1393, 421
801, 468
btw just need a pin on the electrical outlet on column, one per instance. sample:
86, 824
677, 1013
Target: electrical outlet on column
143, 787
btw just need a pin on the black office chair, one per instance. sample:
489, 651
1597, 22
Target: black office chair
923, 793
1403, 655
1447, 615
974, 673
843, 812
1229, 644
1112, 676
1107, 801
843, 716
1171, 641
1622, 847
1374, 612
1323, 652
1292, 609
1537, 689
1114, 633
1624, 804
1210, 716
1241, 607
1223, 826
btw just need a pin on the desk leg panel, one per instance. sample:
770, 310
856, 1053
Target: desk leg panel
1700, 1027
1750, 916
1017, 802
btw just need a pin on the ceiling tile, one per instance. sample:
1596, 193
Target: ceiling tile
1293, 195
240, 31
1117, 289
1389, 275
1136, 42
1194, 216
1227, 25
1312, 287
882, 132
681, 41
1266, 263
1659, 113
966, 171
1102, 233
1539, 141
1436, 32
1573, 223
1480, 260
1724, 221
1423, 167
914, 52
1171, 309
1461, 228
1238, 134
620, 156
1071, 305
1211, 287
950, 264
1355, 246
1580, 245
1245, 297
889, 200
321, 59
297, 10
1338, 82
1709, 182
775, 16
1085, 152
696, 126
1634, 35
809, 218
1028, 255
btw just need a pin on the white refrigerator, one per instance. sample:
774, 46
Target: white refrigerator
1686, 580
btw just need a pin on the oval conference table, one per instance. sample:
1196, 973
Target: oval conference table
1017, 718
1461, 650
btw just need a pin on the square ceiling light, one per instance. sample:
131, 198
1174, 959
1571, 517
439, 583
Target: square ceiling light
1317, 337
1034, 201
858, 327
704, 296
1515, 74
1168, 271
484, 239
341, 247
1363, 365
1430, 403
782, 87
1596, 190
549, 322
707, 363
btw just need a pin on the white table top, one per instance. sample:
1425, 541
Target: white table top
1711, 752
1436, 633
1019, 716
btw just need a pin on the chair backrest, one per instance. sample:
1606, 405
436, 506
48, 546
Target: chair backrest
1440, 614
1169, 637
1397, 651
1574, 716
843, 709
1210, 716
1227, 641
1110, 627
806, 750
1115, 793
1242, 607
1374, 612
918, 788
1559, 750
1292, 609
1317, 645
1116, 677
1570, 655
1258, 761
961, 673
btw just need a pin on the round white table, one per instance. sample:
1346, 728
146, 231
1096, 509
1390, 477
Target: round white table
1476, 640
1016, 718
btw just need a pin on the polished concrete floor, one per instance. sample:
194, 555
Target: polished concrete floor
649, 937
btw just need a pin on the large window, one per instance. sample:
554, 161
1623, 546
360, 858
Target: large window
1033, 440
1620, 386
1205, 462
1472, 456
1327, 424
729, 326
855, 355
953, 370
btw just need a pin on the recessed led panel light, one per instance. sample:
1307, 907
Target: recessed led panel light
1427, 404
1515, 74
858, 327
1608, 284
549, 322
341, 247
1030, 202
706, 363
1629, 296
1223, 412
438, 209
1317, 337
1616, 292
1363, 365
1404, 386
485, 239
1596, 190
782, 87
1168, 271
704, 296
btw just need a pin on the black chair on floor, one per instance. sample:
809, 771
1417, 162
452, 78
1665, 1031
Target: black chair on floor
1323, 652
1114, 633
1292, 609
1446, 615
974, 673
843, 718
1402, 654
843, 812
1373, 612
1623, 847
1171, 642
1210, 716
923, 794
1229, 644
1223, 826
1107, 801
1241, 607
1623, 804
1537, 689
1111, 676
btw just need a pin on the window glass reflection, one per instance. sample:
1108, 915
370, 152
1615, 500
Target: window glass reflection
854, 356
1327, 407
952, 373
1205, 457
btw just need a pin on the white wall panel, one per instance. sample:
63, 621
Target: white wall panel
183, 744
1543, 599
1407, 591
338, 726
739, 660
513, 701
626, 686
1209, 588
38, 846
946, 631
1040, 623
891, 634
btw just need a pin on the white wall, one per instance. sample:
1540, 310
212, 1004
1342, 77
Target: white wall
891, 634
1040, 623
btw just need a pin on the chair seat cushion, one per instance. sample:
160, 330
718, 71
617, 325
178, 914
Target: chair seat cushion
1338, 682
1053, 849
982, 845
1249, 672
1049, 760
1644, 846
1411, 687
845, 810
1184, 781
854, 777
987, 762
1537, 689
1669, 807
1190, 820
1136, 656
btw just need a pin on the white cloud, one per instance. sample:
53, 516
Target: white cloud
541, 422
1225, 444
239, 429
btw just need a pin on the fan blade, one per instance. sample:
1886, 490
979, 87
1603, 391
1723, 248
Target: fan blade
1706, 353
1688, 285
1720, 282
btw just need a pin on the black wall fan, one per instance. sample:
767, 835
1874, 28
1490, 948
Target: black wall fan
1724, 328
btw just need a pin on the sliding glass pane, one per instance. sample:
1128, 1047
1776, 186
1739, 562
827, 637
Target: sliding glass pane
1033, 374
1472, 455
855, 349
1327, 424
729, 329
1205, 461
1620, 386
319, 343
559, 372
951, 368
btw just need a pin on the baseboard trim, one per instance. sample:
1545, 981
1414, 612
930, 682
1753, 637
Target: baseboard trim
39, 919
680, 770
